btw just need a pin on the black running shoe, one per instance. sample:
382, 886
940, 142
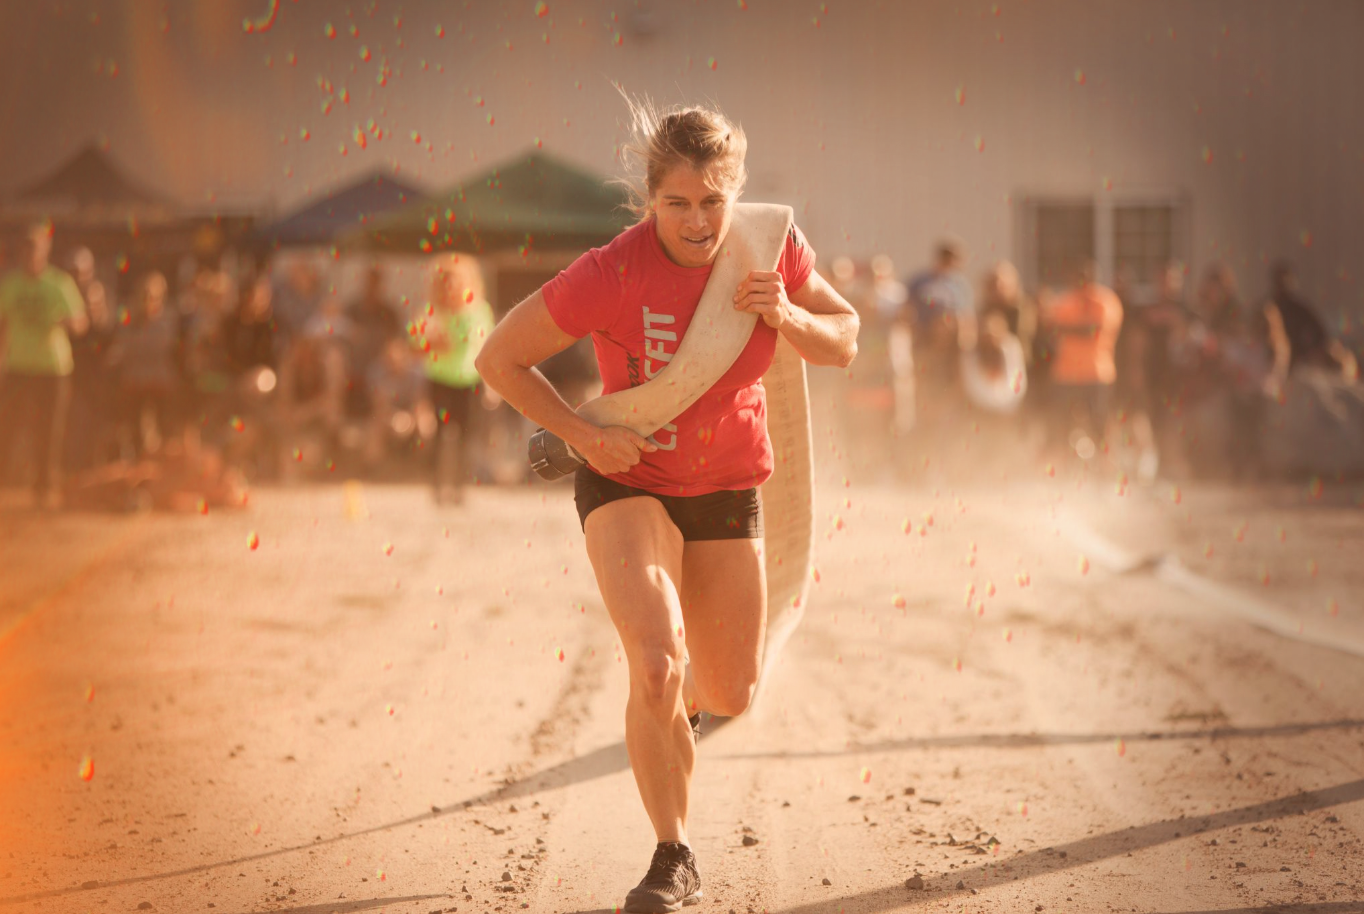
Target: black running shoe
672, 881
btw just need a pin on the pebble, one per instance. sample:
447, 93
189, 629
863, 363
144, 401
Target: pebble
825, 881
914, 882
749, 840
506, 876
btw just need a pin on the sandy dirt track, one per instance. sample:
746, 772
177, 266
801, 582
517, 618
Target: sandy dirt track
374, 713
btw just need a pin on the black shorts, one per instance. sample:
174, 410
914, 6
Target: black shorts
723, 515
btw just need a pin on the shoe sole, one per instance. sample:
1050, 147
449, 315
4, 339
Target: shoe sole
694, 898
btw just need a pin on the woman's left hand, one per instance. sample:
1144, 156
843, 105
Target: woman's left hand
764, 294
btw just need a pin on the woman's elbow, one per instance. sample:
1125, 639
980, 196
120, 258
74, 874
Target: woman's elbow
848, 355
487, 365
850, 351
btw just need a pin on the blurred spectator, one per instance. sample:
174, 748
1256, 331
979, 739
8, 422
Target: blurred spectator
249, 332
1133, 401
397, 389
461, 321
374, 324
892, 308
39, 306
1297, 336
201, 354
89, 428
313, 378
297, 298
1228, 364
941, 308
940, 301
942, 290
1002, 294
1085, 324
144, 355
250, 339
993, 367
1164, 324
891, 294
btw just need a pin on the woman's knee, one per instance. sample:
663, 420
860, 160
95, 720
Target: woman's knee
656, 672
732, 698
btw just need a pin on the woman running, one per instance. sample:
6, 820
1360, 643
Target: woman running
673, 522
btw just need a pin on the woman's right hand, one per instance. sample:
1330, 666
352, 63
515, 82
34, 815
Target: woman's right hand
613, 449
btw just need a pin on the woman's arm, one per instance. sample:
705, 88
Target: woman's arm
526, 337
821, 325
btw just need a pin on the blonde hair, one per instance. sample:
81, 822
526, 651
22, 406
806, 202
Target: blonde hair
660, 140
462, 275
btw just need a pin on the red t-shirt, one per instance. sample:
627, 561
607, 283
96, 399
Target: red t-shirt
637, 304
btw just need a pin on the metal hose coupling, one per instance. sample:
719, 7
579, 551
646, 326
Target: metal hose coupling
551, 457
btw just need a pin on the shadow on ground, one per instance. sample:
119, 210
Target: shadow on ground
613, 759
1032, 740
1093, 849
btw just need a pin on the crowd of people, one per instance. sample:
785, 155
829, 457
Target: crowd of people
269, 373
233, 371
1177, 384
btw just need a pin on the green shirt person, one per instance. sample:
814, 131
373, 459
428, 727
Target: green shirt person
459, 321
455, 342
36, 309
38, 305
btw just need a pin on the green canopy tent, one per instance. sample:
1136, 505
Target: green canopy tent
536, 202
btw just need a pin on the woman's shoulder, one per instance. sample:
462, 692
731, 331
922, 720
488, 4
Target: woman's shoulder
612, 261
625, 245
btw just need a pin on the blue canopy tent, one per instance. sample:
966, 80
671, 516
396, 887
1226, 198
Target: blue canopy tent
341, 212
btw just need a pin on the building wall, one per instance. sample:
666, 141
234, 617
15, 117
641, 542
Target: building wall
1249, 109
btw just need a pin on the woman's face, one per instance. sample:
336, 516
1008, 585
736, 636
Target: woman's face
692, 216
450, 287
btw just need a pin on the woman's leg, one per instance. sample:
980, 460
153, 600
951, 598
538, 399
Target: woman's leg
636, 552
724, 605
461, 417
447, 441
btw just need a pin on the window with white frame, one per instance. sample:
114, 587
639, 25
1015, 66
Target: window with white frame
1131, 238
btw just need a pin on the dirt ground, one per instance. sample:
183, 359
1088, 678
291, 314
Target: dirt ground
1042, 691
